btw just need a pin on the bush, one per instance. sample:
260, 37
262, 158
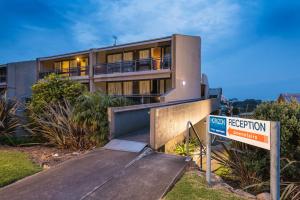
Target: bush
255, 162
8, 119
91, 112
289, 116
53, 89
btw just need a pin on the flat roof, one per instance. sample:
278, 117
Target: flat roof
162, 39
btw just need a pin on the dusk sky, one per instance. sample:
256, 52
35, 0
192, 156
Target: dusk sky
250, 48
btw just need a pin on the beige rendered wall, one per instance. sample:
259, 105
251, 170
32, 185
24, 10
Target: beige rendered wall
167, 123
186, 68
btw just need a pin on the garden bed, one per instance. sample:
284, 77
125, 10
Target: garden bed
45, 156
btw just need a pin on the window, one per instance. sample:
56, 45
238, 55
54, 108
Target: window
162, 86
135, 87
114, 88
128, 56
144, 87
73, 63
65, 67
127, 88
156, 55
144, 54
167, 51
57, 66
113, 58
84, 62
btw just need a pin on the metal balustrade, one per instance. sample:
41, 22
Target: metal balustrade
133, 66
76, 71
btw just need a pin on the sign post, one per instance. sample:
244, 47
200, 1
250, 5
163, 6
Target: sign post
275, 161
263, 134
208, 154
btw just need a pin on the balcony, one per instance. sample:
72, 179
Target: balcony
133, 66
71, 72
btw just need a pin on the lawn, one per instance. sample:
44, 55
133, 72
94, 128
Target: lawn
191, 187
15, 165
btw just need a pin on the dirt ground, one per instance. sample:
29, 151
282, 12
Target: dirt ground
45, 156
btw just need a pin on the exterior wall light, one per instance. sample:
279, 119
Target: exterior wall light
183, 83
77, 59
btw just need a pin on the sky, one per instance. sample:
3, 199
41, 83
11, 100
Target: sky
250, 48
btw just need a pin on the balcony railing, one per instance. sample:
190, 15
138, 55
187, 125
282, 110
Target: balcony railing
3, 78
141, 98
76, 71
133, 66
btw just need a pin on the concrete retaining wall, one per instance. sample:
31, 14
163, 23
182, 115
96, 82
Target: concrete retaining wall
169, 122
128, 119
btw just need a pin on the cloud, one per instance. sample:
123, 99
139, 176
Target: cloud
138, 20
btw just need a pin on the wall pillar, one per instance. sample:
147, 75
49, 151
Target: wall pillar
91, 72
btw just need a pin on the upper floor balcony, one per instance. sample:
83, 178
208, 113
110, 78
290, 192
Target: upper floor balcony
139, 65
67, 72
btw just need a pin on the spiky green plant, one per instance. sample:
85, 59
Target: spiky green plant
8, 119
242, 170
56, 123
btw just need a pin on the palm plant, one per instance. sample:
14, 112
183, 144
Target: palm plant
8, 119
91, 112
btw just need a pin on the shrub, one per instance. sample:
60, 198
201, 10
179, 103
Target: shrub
289, 116
53, 89
8, 119
56, 123
251, 165
91, 112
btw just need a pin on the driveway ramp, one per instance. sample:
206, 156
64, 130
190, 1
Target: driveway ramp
102, 174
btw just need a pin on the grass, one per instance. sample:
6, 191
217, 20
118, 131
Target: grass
192, 187
15, 165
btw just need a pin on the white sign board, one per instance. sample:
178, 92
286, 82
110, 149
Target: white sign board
253, 132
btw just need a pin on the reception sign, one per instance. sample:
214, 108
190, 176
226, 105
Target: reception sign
253, 132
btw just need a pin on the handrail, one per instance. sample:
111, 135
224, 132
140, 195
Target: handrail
146, 64
202, 147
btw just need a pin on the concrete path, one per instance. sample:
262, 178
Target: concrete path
102, 174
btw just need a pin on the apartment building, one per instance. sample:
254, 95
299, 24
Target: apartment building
157, 70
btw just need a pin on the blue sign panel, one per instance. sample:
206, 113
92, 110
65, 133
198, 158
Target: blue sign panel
217, 125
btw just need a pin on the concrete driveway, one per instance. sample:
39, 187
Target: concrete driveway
101, 174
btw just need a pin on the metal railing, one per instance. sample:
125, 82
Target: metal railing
76, 71
202, 147
141, 98
134, 65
